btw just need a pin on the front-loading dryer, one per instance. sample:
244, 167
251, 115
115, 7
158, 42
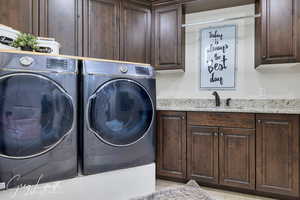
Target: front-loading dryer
38, 129
119, 116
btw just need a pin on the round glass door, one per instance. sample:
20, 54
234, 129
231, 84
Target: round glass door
120, 112
35, 115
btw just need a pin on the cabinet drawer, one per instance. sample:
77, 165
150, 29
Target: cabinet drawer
232, 120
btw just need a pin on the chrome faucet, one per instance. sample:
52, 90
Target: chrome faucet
217, 99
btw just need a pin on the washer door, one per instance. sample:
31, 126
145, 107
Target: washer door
120, 112
35, 115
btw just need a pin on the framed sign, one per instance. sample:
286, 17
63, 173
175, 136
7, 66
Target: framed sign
218, 57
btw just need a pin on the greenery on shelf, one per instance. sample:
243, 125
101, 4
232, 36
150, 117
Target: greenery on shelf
26, 42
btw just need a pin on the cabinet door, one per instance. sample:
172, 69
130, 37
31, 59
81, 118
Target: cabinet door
171, 141
59, 19
101, 28
21, 15
237, 157
135, 32
277, 154
278, 31
202, 154
168, 48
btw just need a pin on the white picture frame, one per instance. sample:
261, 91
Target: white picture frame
218, 57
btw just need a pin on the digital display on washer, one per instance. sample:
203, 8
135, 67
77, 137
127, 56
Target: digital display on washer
53, 63
142, 71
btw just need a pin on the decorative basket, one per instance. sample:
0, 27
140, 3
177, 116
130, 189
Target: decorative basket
7, 36
48, 45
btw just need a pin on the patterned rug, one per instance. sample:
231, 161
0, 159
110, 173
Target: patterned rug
190, 191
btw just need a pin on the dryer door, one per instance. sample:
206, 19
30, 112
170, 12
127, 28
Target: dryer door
120, 112
35, 115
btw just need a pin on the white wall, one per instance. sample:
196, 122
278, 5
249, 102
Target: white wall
281, 81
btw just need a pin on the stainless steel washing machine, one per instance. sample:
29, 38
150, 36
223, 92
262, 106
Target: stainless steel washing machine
38, 119
119, 106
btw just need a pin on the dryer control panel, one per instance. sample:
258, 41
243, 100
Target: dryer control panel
54, 63
28, 62
142, 71
118, 69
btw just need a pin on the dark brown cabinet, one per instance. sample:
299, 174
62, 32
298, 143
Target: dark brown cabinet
101, 29
117, 29
60, 19
237, 157
277, 31
218, 155
21, 15
254, 152
277, 154
47, 18
222, 156
203, 154
135, 32
171, 145
168, 37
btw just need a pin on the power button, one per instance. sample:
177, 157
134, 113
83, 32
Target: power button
26, 61
124, 69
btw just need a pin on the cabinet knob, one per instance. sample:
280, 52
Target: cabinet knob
182, 117
215, 134
259, 121
221, 134
264, 57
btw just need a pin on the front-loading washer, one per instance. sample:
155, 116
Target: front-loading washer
119, 106
38, 119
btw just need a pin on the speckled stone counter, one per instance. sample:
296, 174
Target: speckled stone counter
284, 106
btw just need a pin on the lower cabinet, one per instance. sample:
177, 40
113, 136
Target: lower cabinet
223, 156
277, 154
237, 157
171, 145
258, 153
202, 154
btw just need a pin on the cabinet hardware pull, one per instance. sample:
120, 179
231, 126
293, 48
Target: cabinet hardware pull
182, 117
216, 134
259, 121
264, 57
222, 134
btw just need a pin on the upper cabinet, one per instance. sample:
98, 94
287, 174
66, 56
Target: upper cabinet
59, 19
135, 32
277, 32
108, 29
148, 31
21, 15
168, 37
115, 29
47, 18
101, 29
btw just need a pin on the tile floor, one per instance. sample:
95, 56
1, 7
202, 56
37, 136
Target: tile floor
216, 194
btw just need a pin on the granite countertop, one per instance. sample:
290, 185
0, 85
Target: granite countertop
284, 106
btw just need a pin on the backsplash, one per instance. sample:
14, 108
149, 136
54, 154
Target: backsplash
273, 82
